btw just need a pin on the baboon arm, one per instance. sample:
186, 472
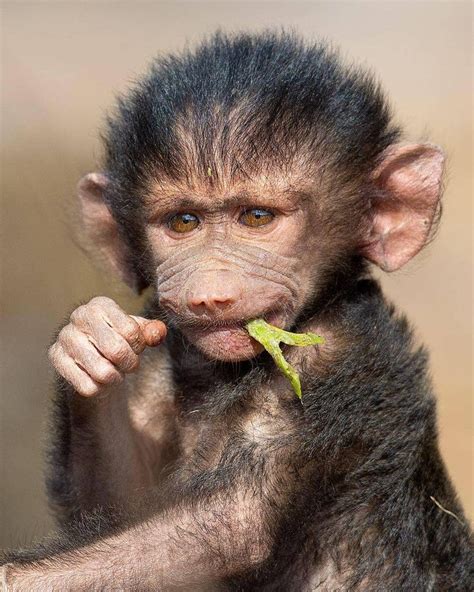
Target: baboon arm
193, 544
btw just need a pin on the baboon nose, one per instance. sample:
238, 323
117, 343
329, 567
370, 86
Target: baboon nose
202, 301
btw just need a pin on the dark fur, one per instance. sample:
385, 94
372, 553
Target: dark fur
286, 101
364, 454
367, 430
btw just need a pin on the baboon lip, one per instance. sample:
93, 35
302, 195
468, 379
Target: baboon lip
197, 325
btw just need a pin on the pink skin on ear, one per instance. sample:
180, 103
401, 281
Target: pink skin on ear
100, 228
409, 183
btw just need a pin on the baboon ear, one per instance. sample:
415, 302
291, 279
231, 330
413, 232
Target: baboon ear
408, 192
101, 231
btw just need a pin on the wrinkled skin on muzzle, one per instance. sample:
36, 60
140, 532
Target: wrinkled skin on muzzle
211, 293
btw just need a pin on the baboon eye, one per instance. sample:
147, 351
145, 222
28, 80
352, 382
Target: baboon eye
256, 217
183, 222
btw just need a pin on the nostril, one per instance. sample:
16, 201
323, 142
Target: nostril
211, 302
223, 303
196, 304
222, 299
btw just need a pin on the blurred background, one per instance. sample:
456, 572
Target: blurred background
63, 63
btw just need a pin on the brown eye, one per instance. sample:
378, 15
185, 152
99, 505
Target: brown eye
256, 217
183, 222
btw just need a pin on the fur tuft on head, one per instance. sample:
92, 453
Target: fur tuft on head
241, 105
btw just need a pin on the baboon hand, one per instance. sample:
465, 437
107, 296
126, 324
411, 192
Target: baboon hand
100, 344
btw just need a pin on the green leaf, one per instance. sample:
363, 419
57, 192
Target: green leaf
271, 337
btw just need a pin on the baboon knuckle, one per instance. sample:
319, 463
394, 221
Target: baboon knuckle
119, 353
131, 332
101, 302
78, 314
64, 335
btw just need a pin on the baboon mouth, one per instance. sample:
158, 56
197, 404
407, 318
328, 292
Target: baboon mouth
229, 340
209, 324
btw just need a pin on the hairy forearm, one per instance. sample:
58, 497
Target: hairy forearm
105, 460
191, 545
100, 456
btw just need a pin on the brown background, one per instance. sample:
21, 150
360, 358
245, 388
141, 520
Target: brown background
63, 62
